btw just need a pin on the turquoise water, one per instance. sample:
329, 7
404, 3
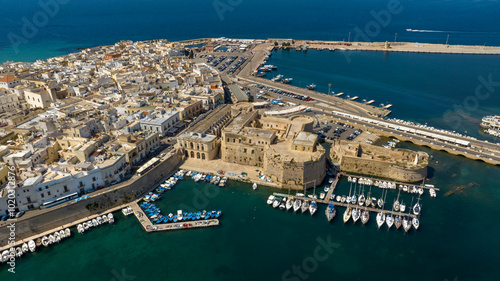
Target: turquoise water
438, 89
257, 242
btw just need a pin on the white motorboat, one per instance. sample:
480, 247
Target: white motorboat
254, 186
31, 245
94, 222
105, 218
270, 199
343, 199
282, 205
432, 192
338, 198
19, 252
5, 256
347, 214
326, 189
111, 219
361, 200
51, 239
67, 232
25, 248
380, 203
389, 220
322, 195
57, 237
296, 205
380, 219
80, 228
62, 233
395, 206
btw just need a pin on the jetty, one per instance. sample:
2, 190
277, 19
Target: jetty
150, 227
391, 181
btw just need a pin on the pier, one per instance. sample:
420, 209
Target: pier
150, 227
397, 183
370, 102
339, 204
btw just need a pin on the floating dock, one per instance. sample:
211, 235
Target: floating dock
370, 102
387, 106
354, 98
339, 94
150, 227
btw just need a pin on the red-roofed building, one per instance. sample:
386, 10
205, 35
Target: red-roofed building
9, 81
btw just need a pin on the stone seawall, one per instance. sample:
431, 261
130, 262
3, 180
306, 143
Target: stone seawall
60, 215
382, 169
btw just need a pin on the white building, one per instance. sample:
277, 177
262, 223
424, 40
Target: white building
163, 124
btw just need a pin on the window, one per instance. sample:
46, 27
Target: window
250, 141
303, 148
295, 147
245, 150
48, 193
203, 156
66, 188
43, 195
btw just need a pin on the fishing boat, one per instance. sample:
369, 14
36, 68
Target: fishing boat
19, 252
365, 216
406, 223
223, 182
57, 237
330, 212
347, 214
389, 220
313, 208
397, 221
289, 203
38, 242
416, 223
296, 205
254, 186
356, 214
270, 199
31, 245
380, 219
311, 86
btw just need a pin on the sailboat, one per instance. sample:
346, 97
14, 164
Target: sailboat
397, 221
396, 205
313, 208
330, 212
296, 205
402, 207
347, 214
289, 202
389, 220
380, 219
416, 207
416, 223
365, 216
356, 214
305, 204
406, 223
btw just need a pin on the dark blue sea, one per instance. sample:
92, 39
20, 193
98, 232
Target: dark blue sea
71, 24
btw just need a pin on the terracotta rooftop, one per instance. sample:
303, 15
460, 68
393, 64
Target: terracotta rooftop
8, 78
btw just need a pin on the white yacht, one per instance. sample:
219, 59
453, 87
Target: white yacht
402, 207
347, 214
416, 209
356, 214
365, 216
111, 219
296, 205
254, 186
361, 200
380, 219
276, 202
289, 204
313, 207
330, 212
31, 245
432, 192
305, 206
322, 195
270, 199
416, 223
406, 223
389, 220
